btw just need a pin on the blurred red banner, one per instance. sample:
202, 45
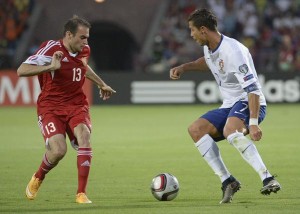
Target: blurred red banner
24, 91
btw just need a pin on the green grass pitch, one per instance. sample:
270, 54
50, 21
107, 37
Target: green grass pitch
132, 144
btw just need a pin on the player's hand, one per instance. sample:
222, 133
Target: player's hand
176, 72
106, 92
56, 59
255, 132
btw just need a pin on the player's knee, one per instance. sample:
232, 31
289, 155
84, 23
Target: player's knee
83, 134
57, 155
228, 130
233, 125
56, 148
192, 129
85, 139
196, 131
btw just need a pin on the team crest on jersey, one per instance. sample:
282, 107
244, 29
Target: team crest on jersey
244, 69
221, 65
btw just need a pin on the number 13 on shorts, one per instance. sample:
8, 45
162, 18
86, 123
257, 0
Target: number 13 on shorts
50, 127
47, 126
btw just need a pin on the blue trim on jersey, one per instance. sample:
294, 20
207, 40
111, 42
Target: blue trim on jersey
250, 88
240, 109
218, 44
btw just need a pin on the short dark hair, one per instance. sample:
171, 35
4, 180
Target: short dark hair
73, 23
203, 17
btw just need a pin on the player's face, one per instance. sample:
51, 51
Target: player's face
80, 39
197, 34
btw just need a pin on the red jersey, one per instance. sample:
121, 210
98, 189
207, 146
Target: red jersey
62, 88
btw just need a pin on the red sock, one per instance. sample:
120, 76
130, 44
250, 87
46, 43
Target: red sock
84, 156
45, 167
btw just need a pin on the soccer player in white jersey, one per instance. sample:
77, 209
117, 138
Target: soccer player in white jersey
243, 108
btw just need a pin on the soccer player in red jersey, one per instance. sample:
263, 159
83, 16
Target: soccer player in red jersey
62, 107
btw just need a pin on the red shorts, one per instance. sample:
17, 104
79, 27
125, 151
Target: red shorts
63, 121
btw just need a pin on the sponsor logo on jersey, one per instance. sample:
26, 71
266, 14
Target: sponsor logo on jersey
243, 69
249, 77
65, 59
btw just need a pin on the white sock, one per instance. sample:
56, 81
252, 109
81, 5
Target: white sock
249, 152
210, 152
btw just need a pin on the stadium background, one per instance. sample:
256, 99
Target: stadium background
137, 41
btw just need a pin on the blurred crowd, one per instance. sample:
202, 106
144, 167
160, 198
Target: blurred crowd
14, 15
269, 28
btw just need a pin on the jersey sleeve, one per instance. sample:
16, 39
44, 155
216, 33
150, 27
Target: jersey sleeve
243, 68
43, 55
86, 51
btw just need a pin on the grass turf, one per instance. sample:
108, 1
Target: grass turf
132, 144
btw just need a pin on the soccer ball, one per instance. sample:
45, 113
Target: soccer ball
165, 187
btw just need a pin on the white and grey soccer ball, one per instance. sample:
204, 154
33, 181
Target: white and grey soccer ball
165, 187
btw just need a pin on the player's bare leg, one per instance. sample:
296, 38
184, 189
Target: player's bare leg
56, 148
84, 156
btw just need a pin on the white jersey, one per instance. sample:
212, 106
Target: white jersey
233, 68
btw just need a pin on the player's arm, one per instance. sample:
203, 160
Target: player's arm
254, 106
26, 70
248, 82
105, 90
197, 65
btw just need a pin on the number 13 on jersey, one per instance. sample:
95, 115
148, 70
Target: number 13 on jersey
76, 74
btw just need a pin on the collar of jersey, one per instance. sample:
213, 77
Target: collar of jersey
71, 54
214, 50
